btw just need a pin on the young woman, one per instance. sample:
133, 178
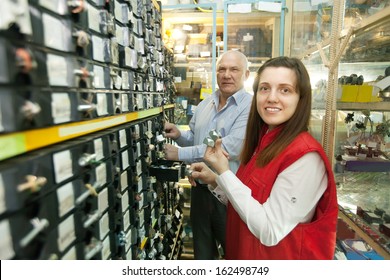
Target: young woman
282, 202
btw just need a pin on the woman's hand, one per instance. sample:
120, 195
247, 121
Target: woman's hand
201, 172
217, 158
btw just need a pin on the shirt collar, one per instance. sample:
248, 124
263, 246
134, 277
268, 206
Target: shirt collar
237, 97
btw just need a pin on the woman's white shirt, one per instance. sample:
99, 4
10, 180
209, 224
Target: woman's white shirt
293, 198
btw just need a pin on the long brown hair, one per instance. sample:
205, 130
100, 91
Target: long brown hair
298, 123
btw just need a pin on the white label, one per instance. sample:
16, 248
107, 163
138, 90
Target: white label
125, 201
62, 162
58, 6
104, 226
70, 255
126, 221
52, 27
1, 116
16, 12
66, 233
141, 214
106, 251
122, 138
101, 104
125, 103
140, 185
6, 248
138, 149
60, 107
98, 144
141, 204
125, 160
65, 197
3, 205
124, 182
177, 213
98, 80
101, 174
103, 200
98, 48
140, 100
57, 70
120, 34
93, 18
117, 82
139, 168
125, 80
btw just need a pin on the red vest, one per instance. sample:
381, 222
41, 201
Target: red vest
314, 240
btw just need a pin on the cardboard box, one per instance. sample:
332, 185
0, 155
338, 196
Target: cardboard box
367, 94
349, 93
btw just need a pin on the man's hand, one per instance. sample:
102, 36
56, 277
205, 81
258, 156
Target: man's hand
171, 131
171, 152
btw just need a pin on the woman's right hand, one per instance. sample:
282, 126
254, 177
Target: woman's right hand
200, 171
217, 158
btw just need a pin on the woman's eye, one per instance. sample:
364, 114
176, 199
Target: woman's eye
263, 89
285, 90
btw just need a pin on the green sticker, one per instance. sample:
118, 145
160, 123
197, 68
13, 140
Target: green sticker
12, 145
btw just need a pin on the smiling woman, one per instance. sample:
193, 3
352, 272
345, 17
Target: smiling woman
282, 201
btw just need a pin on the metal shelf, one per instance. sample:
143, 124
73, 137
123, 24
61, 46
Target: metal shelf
17, 143
374, 106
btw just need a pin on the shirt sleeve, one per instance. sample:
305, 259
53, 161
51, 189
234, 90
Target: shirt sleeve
219, 193
293, 199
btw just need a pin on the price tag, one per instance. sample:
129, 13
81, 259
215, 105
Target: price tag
57, 6
62, 163
57, 69
125, 201
101, 174
122, 138
3, 206
101, 104
104, 226
124, 181
103, 200
70, 255
6, 248
60, 107
65, 198
1, 117
66, 233
126, 221
51, 28
98, 144
106, 250
125, 160
125, 103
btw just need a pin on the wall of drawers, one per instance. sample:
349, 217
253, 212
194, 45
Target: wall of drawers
85, 88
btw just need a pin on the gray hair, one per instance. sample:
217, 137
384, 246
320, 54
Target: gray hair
242, 57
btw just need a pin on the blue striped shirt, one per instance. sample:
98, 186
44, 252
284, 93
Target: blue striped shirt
230, 122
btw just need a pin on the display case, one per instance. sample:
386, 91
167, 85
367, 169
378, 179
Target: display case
347, 52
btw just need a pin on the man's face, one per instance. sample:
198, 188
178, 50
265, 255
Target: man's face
231, 74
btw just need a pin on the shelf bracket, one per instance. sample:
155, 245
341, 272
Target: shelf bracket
340, 52
325, 60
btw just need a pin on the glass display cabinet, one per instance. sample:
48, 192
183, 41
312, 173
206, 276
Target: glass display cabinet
346, 48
